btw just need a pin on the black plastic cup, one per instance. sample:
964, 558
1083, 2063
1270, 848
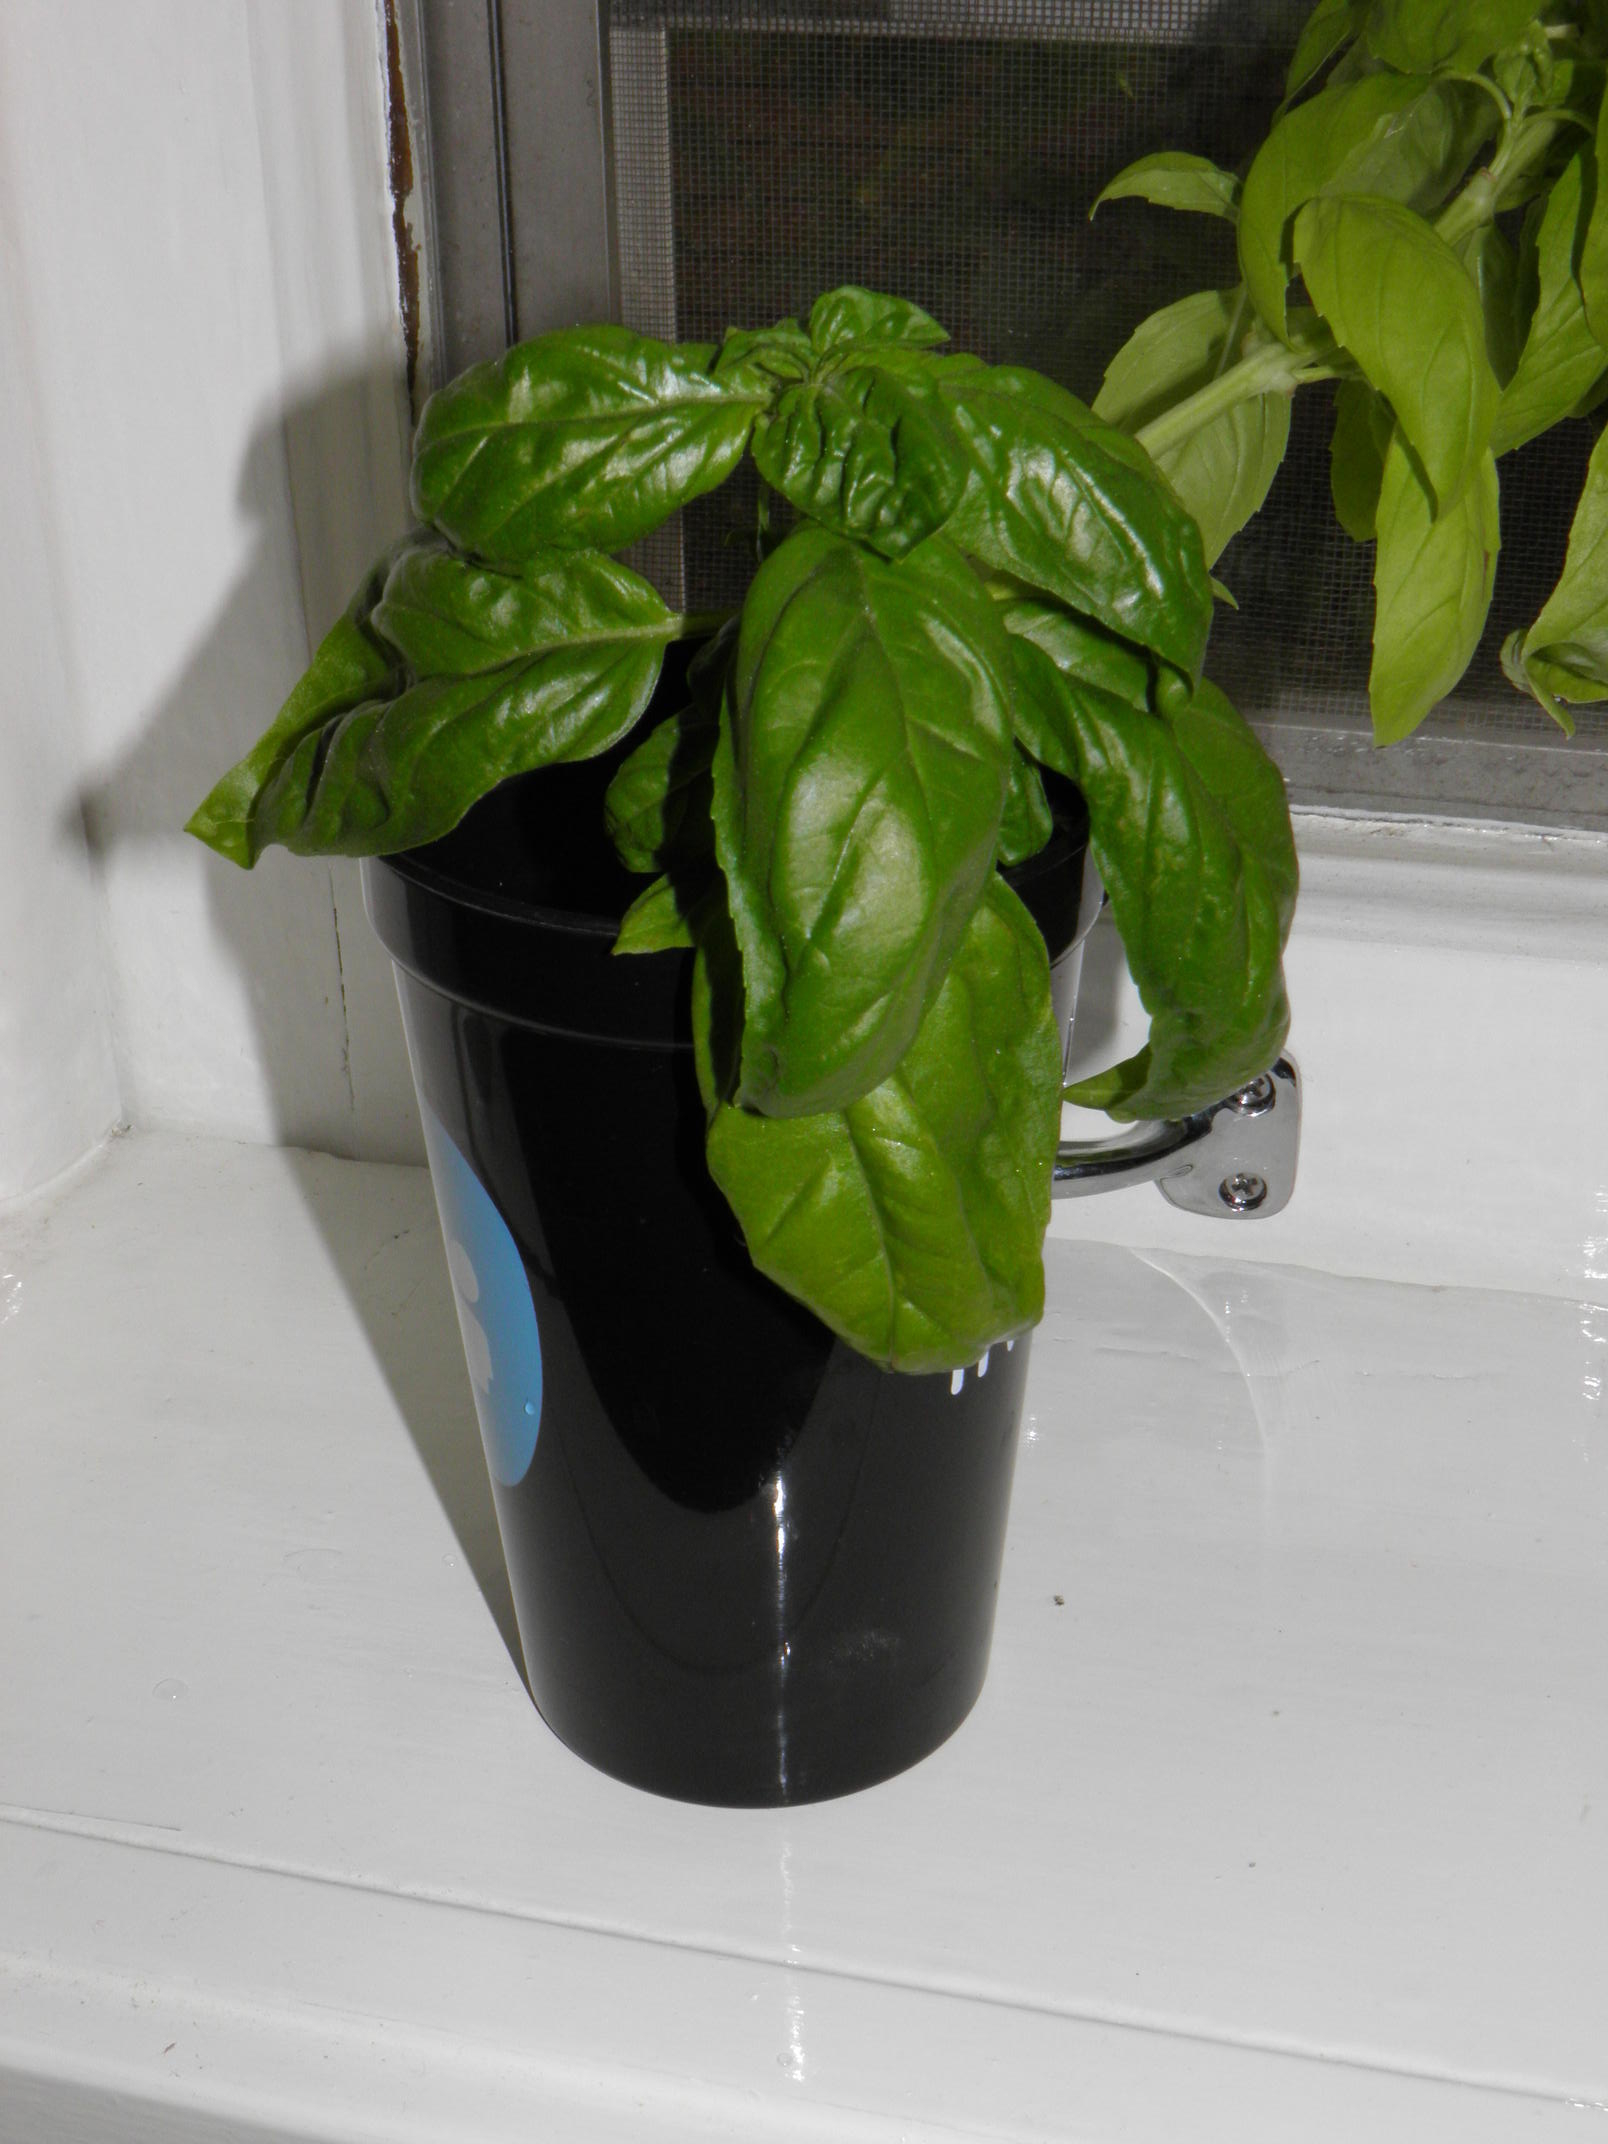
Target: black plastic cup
749, 1567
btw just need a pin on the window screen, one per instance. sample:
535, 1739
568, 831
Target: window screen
751, 153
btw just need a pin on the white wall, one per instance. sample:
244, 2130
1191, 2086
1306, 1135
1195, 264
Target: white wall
203, 405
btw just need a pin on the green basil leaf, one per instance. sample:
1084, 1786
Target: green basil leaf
858, 791
759, 360
1222, 471
350, 665
1331, 24
1168, 356
1524, 72
912, 1222
1571, 633
1592, 270
1494, 265
1362, 428
851, 315
1190, 829
584, 637
453, 618
866, 449
1404, 139
1561, 360
585, 438
1432, 584
1027, 821
1058, 657
1174, 179
1398, 298
1444, 36
657, 808
1547, 683
657, 921
1073, 507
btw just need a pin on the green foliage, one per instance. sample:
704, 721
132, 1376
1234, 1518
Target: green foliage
1175, 179
1563, 657
1066, 503
1443, 36
911, 1220
1403, 306
1560, 360
987, 577
1221, 470
859, 785
1432, 588
656, 811
350, 666
864, 448
1380, 189
1388, 135
585, 438
1331, 26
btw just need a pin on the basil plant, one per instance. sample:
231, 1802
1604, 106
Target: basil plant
1436, 185
980, 578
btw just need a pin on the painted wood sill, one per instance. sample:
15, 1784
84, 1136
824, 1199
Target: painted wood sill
1281, 1815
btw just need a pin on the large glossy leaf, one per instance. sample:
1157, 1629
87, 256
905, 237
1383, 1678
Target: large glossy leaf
858, 792
1432, 583
451, 617
1438, 36
1567, 646
853, 315
912, 1222
1222, 470
1561, 359
1400, 301
1401, 137
350, 665
582, 638
866, 448
1190, 829
1074, 507
1172, 178
585, 438
657, 808
1362, 429
1331, 24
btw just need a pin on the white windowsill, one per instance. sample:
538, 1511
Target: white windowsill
1285, 1821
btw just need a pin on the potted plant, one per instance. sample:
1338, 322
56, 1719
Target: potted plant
755, 1545
753, 1518
1434, 184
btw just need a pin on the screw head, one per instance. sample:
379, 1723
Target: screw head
1243, 1193
1255, 1098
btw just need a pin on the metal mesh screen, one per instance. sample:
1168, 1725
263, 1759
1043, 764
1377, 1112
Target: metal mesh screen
950, 152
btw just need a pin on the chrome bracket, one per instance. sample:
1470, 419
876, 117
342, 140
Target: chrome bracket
1235, 1160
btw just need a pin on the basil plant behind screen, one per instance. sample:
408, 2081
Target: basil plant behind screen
1443, 199
982, 579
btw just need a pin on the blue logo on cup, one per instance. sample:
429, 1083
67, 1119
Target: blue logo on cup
495, 1312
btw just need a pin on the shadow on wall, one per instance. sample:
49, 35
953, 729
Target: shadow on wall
277, 930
